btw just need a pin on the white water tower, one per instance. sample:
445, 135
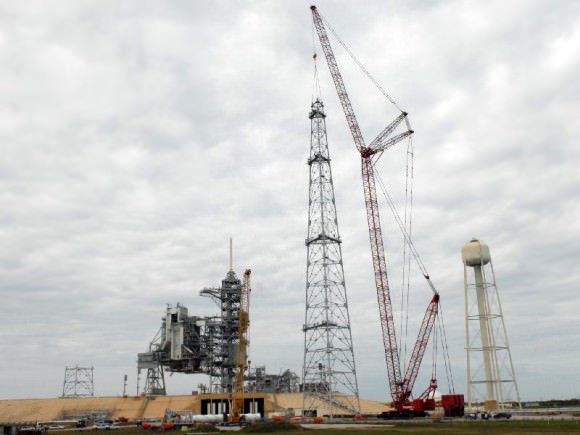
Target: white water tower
491, 379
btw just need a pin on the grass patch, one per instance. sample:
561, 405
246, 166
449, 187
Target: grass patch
272, 427
513, 427
202, 428
442, 428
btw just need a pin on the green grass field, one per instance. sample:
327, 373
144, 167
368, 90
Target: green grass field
464, 428
474, 428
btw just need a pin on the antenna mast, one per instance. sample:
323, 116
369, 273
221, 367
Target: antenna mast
231, 256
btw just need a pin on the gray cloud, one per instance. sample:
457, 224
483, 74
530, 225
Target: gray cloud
136, 138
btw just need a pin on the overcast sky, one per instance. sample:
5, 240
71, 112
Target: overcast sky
138, 136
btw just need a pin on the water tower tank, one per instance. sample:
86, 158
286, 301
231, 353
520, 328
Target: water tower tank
491, 378
475, 253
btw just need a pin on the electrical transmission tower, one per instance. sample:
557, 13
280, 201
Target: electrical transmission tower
329, 365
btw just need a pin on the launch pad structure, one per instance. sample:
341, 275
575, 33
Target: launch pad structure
206, 345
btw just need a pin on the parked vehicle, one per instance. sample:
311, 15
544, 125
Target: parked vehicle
81, 423
106, 426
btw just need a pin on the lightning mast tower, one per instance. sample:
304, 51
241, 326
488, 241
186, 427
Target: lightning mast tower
491, 378
329, 364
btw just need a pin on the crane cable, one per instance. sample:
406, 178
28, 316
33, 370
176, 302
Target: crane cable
423, 269
403, 230
360, 65
435, 353
316, 90
446, 357
406, 280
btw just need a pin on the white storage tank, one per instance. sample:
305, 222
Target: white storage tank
208, 418
475, 253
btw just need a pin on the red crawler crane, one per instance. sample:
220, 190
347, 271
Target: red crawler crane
401, 386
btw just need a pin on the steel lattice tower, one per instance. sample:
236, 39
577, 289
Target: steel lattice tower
78, 382
329, 373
